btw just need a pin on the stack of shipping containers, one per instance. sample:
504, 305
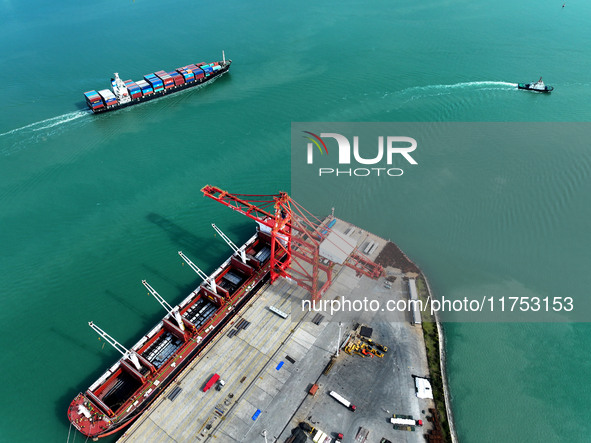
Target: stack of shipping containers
155, 82
177, 78
108, 97
134, 89
166, 79
159, 81
94, 100
145, 87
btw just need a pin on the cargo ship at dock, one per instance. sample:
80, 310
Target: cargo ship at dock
127, 92
129, 386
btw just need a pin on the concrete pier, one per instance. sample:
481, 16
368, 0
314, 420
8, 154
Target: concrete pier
270, 363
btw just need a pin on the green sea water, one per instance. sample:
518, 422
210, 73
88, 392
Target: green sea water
91, 205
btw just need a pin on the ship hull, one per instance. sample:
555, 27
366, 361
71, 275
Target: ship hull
96, 418
528, 87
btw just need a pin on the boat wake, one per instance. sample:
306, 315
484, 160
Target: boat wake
15, 139
481, 85
49, 123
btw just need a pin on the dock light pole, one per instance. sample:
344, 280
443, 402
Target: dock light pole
339, 342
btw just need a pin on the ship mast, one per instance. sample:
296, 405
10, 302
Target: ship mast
239, 251
174, 312
207, 279
224, 56
118, 346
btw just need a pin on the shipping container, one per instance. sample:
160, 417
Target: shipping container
188, 76
145, 87
155, 82
92, 97
134, 90
342, 400
211, 382
107, 94
313, 389
167, 80
178, 78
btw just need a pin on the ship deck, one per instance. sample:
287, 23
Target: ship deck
269, 364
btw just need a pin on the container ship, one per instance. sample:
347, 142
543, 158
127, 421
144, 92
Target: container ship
154, 85
128, 387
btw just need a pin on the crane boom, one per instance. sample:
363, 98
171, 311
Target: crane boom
174, 312
236, 249
118, 346
295, 239
206, 278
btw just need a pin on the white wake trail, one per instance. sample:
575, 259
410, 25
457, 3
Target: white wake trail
48, 123
20, 138
462, 85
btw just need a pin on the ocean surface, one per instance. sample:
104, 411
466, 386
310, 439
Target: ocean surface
91, 205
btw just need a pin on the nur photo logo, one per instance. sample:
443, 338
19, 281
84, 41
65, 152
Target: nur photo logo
350, 153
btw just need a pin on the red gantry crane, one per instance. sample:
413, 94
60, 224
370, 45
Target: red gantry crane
299, 241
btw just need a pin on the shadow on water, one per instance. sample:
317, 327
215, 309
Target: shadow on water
178, 235
123, 302
204, 251
238, 233
156, 273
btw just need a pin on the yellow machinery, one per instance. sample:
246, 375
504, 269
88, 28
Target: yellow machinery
369, 348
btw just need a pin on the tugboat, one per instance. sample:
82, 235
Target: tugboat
538, 86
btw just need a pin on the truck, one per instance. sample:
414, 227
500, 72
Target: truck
405, 420
321, 437
342, 401
212, 381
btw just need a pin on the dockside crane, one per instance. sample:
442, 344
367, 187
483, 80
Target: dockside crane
236, 249
131, 355
295, 236
174, 312
206, 278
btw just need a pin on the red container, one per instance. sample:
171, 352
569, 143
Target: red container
313, 389
212, 381
177, 78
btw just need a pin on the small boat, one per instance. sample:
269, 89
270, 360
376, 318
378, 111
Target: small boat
538, 86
